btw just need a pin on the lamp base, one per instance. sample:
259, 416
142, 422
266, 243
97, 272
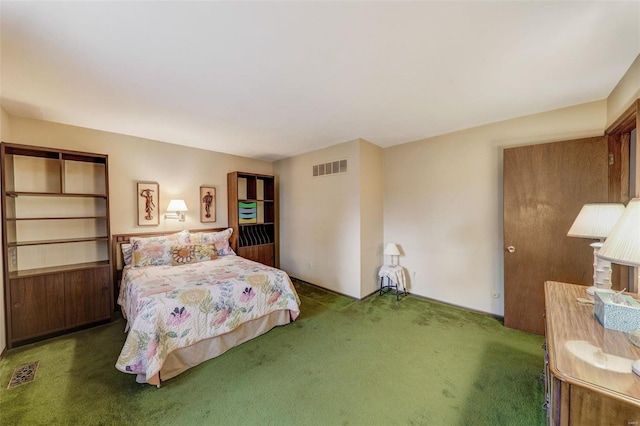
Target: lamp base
179, 215
591, 290
601, 270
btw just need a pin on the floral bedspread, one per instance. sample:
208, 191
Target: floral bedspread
171, 307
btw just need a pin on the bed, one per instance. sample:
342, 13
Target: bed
188, 298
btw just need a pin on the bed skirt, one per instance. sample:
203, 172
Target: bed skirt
182, 359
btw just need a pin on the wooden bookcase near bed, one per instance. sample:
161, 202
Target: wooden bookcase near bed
116, 246
252, 215
55, 222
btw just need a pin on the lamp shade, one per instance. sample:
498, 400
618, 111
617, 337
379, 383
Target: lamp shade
177, 206
391, 250
596, 220
623, 244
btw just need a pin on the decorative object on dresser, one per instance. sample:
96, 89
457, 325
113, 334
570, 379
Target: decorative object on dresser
588, 369
148, 203
595, 221
177, 206
207, 204
616, 311
55, 221
252, 206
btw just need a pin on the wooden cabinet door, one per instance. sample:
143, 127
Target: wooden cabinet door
267, 255
87, 296
262, 253
545, 186
37, 305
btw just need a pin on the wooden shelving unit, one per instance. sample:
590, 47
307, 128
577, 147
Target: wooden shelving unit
55, 222
252, 215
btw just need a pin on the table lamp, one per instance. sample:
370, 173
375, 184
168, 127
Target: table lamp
623, 244
391, 250
595, 221
623, 247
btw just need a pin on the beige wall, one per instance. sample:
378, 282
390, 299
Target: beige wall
371, 216
5, 135
441, 198
443, 202
320, 219
179, 170
626, 92
331, 227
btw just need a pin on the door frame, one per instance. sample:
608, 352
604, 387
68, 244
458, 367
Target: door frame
620, 173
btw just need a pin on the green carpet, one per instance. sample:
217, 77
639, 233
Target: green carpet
343, 362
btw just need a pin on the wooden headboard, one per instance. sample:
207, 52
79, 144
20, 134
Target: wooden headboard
116, 251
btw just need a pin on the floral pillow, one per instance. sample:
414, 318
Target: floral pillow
183, 254
154, 251
219, 239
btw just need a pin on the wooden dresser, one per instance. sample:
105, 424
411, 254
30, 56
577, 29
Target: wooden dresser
588, 378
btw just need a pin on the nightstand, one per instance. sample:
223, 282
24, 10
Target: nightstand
395, 275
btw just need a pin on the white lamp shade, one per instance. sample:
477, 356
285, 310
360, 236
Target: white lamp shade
391, 250
623, 244
177, 206
596, 220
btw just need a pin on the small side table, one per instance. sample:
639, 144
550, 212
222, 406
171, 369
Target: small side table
395, 280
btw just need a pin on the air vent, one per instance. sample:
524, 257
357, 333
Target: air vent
330, 168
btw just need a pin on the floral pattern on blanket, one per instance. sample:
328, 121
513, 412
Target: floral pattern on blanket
171, 307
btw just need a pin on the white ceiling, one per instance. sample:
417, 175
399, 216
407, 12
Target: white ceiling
270, 80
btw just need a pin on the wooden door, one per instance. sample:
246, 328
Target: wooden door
545, 186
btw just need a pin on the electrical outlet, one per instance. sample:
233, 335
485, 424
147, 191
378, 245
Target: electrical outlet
310, 265
495, 294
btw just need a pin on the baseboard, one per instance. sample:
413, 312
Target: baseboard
375, 292
466, 308
323, 288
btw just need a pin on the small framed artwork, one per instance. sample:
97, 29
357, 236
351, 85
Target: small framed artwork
207, 204
148, 194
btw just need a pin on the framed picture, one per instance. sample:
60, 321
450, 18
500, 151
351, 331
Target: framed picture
207, 204
148, 194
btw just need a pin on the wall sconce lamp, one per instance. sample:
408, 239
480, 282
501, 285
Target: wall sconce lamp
391, 249
177, 206
596, 221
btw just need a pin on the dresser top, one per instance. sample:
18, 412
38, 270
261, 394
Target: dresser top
582, 352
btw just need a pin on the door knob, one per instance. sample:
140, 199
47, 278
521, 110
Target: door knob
511, 249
